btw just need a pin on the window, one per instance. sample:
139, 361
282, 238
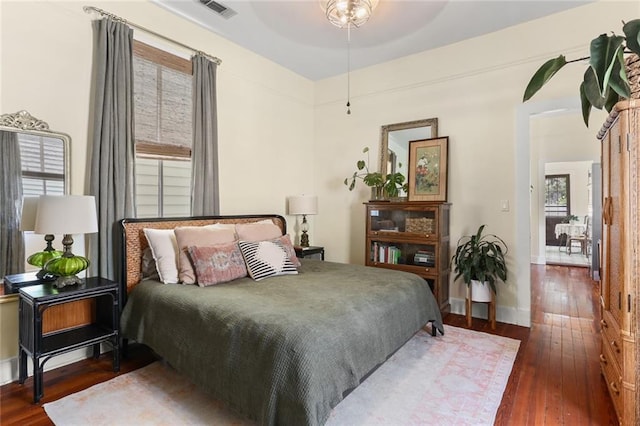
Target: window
557, 199
163, 132
42, 160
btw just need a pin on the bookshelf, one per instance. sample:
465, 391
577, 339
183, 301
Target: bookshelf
412, 237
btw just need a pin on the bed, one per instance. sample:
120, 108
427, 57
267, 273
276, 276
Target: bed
284, 350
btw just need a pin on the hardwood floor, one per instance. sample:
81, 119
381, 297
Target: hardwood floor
555, 380
556, 377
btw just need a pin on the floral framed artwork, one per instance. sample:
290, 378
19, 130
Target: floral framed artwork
428, 169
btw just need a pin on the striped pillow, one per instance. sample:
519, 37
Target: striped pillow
266, 259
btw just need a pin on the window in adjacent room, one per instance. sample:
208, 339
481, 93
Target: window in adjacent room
42, 160
557, 199
163, 132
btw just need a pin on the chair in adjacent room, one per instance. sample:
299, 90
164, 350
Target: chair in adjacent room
582, 241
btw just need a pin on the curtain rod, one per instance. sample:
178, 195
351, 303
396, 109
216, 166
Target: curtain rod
104, 13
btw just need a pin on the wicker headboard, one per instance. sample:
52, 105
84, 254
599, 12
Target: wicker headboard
134, 241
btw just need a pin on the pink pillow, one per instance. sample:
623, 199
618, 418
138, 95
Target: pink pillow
217, 264
200, 236
258, 231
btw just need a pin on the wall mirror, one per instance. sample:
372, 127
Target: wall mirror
34, 161
394, 143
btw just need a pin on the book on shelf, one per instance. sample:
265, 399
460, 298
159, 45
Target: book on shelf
385, 253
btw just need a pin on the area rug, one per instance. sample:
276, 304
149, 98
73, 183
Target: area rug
455, 379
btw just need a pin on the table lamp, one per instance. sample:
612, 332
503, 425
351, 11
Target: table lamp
303, 205
66, 215
28, 223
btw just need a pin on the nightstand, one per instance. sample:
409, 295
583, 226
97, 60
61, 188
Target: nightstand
312, 251
36, 299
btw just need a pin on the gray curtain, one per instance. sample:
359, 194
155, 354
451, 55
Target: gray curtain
112, 177
11, 242
205, 197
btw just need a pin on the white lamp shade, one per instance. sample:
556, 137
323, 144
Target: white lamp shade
29, 211
66, 214
303, 204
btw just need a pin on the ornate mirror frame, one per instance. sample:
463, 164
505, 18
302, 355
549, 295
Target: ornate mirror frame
399, 134
23, 122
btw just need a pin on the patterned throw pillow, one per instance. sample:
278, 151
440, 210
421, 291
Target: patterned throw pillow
217, 264
198, 236
266, 259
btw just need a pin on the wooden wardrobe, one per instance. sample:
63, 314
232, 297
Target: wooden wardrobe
620, 257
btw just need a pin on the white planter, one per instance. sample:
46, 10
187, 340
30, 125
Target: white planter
480, 291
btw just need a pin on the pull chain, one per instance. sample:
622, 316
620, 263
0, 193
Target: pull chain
348, 68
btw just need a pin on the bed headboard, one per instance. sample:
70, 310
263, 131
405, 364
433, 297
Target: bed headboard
134, 241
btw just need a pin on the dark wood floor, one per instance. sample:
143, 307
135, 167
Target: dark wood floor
555, 380
556, 377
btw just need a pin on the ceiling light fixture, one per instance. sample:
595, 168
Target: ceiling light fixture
347, 14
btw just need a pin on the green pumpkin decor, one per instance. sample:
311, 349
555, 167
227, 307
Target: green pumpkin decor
64, 266
40, 258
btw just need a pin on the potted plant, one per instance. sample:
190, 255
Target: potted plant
605, 79
479, 260
381, 186
570, 219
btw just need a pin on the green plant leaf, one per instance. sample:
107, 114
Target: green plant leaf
586, 105
618, 80
591, 89
544, 74
360, 164
611, 100
604, 52
632, 32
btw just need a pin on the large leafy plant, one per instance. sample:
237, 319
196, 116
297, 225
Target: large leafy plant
605, 80
390, 183
480, 257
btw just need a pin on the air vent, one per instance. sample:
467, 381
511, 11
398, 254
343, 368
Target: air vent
219, 8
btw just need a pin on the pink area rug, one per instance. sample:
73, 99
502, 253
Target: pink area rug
455, 379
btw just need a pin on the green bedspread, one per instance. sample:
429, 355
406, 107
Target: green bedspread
285, 350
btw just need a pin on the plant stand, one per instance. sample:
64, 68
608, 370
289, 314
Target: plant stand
491, 308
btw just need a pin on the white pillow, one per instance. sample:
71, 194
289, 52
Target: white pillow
164, 249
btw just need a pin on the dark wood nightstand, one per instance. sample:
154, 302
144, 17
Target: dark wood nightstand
303, 252
36, 299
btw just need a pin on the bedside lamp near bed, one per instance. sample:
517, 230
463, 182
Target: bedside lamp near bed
302, 205
66, 215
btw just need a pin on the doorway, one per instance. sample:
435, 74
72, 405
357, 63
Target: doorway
536, 122
567, 213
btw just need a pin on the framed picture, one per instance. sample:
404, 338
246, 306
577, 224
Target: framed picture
428, 169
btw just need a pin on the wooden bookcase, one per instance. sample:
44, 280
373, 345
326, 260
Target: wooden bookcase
412, 237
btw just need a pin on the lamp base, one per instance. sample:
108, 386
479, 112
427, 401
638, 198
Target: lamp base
304, 239
63, 281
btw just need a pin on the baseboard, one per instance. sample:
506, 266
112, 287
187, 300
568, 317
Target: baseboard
538, 260
9, 366
503, 314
